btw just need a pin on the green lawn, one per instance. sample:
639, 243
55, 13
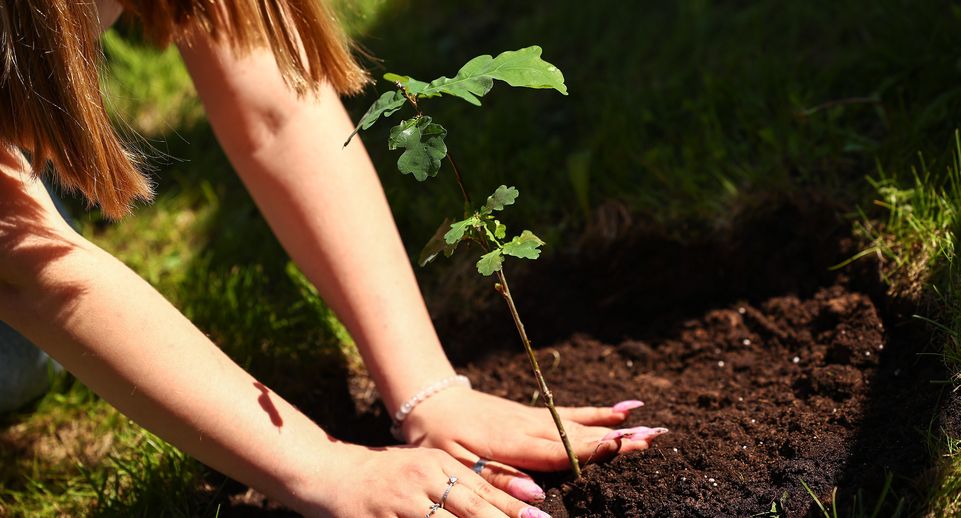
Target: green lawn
686, 112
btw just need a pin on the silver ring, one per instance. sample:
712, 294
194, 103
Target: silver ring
479, 465
450, 485
443, 499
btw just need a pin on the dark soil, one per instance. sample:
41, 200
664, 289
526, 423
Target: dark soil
758, 397
768, 368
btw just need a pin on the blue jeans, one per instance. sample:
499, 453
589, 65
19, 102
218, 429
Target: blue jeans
24, 369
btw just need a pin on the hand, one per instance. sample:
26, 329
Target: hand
405, 482
471, 425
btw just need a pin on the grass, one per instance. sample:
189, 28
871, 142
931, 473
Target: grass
860, 508
687, 112
913, 233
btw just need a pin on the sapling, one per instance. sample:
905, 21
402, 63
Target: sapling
424, 150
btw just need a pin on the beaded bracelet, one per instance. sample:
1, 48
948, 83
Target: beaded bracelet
424, 393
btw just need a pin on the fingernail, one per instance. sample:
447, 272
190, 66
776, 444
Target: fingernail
525, 489
623, 432
533, 512
627, 406
648, 434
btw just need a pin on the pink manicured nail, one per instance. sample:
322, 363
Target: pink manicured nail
623, 432
525, 489
627, 406
533, 512
645, 435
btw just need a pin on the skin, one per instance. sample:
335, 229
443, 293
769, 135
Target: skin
328, 209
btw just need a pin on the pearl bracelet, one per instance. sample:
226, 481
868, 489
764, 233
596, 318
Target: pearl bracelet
424, 393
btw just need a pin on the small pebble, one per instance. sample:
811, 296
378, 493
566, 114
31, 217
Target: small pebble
675, 450
741, 310
867, 353
743, 447
630, 363
746, 341
753, 421
740, 398
683, 479
710, 480
715, 484
656, 472
720, 363
795, 360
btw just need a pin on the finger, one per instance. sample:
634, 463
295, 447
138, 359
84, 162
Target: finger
503, 477
576, 431
540, 454
599, 416
513, 482
550, 455
635, 439
476, 495
463, 500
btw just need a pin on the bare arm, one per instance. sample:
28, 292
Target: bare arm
328, 209
128, 344
118, 335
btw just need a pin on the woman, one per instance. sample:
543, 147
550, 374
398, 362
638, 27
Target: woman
269, 75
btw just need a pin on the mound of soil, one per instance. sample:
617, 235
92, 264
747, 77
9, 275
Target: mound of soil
758, 397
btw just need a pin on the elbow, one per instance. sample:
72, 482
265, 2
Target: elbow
36, 276
35, 242
256, 133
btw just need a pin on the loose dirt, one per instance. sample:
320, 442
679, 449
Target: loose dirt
758, 398
770, 369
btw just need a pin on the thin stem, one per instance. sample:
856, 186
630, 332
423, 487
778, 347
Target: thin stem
460, 182
505, 291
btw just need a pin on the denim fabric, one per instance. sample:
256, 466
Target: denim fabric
24, 369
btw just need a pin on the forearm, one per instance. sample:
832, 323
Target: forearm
328, 209
122, 339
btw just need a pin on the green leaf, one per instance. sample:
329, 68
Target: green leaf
413, 86
458, 229
500, 230
386, 105
424, 146
502, 197
490, 262
523, 68
525, 246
